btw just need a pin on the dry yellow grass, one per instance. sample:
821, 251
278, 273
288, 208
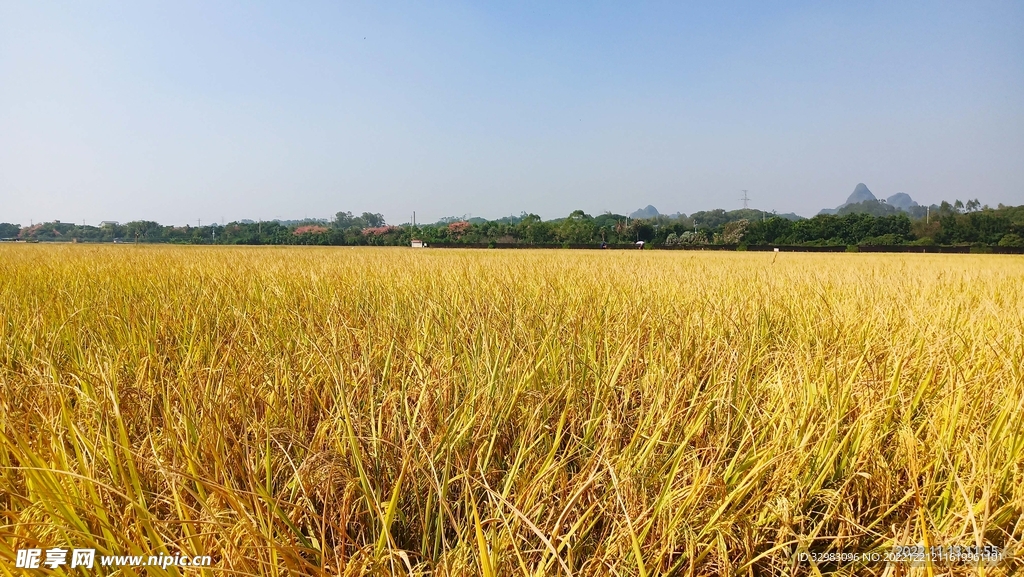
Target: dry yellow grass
343, 411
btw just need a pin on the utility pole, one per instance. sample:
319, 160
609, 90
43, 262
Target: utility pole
745, 199
414, 218
928, 214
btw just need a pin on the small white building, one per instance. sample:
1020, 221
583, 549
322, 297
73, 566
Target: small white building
416, 243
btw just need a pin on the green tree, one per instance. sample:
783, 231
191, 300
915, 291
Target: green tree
578, 228
373, 219
8, 230
343, 220
1012, 240
775, 230
533, 230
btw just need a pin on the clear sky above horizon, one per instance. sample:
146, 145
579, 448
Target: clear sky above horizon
182, 111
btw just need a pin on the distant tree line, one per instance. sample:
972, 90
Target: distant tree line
955, 223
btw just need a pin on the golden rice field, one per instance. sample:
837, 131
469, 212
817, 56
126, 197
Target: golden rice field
339, 411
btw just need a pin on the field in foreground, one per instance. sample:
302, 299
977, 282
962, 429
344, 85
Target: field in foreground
344, 411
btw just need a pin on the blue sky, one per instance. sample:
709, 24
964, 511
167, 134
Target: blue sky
212, 110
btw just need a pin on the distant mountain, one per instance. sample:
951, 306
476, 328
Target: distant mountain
790, 216
862, 200
860, 194
872, 207
646, 212
713, 218
902, 201
299, 222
